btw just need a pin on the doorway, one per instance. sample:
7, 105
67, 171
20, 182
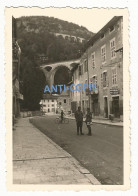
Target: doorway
105, 107
95, 107
115, 106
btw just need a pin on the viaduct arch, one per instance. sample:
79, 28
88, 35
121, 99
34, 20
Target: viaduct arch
59, 73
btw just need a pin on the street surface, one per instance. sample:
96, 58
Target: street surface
101, 153
38, 160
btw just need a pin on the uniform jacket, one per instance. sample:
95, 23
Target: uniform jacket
89, 117
79, 116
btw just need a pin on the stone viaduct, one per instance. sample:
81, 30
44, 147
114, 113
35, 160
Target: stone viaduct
70, 37
51, 69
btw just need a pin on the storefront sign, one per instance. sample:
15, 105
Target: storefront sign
114, 91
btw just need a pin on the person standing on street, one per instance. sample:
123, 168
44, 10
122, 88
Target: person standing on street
79, 120
62, 116
89, 121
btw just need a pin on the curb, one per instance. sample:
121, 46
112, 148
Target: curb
104, 123
77, 164
108, 124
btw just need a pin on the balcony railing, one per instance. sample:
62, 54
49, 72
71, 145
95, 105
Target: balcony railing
96, 91
91, 92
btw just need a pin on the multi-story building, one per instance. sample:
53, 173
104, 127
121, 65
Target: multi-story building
16, 53
56, 102
49, 103
74, 95
63, 102
102, 63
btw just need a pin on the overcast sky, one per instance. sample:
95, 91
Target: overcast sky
92, 19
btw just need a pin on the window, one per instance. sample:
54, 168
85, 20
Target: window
104, 79
114, 76
76, 74
85, 66
82, 69
94, 80
102, 36
86, 82
112, 48
59, 103
101, 79
64, 100
52, 105
93, 60
52, 100
111, 29
79, 70
103, 53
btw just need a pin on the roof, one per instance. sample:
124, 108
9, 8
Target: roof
103, 30
49, 96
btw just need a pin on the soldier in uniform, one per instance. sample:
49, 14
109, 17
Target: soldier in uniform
89, 121
79, 120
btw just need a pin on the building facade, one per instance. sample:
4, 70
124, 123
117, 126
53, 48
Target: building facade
63, 102
16, 53
102, 63
56, 102
49, 103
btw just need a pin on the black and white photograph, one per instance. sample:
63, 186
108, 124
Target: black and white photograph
69, 101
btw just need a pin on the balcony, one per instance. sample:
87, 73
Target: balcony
95, 92
91, 92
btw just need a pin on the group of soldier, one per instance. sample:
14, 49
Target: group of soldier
79, 121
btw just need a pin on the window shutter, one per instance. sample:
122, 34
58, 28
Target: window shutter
111, 107
79, 70
101, 80
121, 107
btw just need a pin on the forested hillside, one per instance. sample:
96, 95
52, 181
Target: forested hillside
36, 37
45, 24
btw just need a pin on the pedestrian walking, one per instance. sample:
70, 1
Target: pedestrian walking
79, 120
89, 121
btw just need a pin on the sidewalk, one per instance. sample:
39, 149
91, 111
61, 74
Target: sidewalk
38, 160
108, 122
98, 121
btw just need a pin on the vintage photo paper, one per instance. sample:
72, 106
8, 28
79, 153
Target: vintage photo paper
67, 99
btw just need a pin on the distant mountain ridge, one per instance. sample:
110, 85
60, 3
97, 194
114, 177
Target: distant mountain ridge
45, 40
50, 24
56, 39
